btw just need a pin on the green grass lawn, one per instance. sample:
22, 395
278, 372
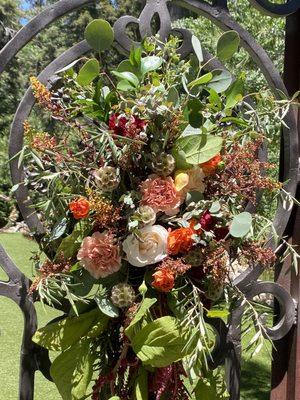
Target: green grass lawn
255, 373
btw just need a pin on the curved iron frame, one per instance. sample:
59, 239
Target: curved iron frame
228, 341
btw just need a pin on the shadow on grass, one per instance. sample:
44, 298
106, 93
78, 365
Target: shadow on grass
255, 383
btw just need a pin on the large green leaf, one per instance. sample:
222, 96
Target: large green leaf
99, 35
150, 63
199, 148
141, 385
70, 244
60, 335
227, 45
144, 307
72, 371
202, 80
88, 72
221, 80
162, 342
241, 224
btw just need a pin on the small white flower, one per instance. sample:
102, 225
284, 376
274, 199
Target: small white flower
151, 249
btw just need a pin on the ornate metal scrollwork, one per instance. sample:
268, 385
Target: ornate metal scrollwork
227, 346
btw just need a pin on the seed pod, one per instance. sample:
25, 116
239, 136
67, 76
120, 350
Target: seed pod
107, 179
163, 164
122, 295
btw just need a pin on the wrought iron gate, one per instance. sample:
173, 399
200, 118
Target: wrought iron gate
227, 351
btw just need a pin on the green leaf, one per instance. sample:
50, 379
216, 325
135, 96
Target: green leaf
221, 80
218, 313
71, 244
144, 307
197, 48
124, 86
88, 72
99, 35
199, 148
127, 76
135, 56
202, 80
126, 66
162, 342
150, 63
107, 307
241, 224
227, 45
114, 398
180, 160
141, 385
60, 335
59, 229
195, 116
234, 94
215, 207
72, 371
173, 96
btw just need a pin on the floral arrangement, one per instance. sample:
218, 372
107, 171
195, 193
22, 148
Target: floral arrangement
142, 186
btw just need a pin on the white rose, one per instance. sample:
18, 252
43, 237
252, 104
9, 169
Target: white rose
151, 249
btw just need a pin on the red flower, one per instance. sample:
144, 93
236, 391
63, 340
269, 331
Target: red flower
80, 208
163, 280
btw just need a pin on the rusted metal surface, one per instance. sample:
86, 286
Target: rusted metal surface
228, 343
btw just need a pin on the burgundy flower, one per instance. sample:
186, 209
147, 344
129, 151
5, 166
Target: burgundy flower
207, 221
123, 126
221, 232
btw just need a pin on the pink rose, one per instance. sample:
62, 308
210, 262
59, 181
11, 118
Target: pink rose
161, 194
100, 255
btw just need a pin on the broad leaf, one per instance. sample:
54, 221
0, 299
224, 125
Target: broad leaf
144, 307
215, 207
141, 385
60, 335
227, 45
161, 343
99, 35
221, 80
72, 371
150, 63
197, 48
199, 148
88, 72
173, 96
241, 224
59, 229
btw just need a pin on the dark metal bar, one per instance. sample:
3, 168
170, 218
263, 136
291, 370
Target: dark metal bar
286, 356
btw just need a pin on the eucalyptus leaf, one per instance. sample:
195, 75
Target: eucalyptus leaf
241, 224
88, 72
150, 63
234, 94
221, 80
227, 45
127, 76
197, 48
215, 207
99, 35
59, 229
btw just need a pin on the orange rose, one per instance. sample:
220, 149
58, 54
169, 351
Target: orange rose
163, 280
180, 240
80, 208
210, 166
